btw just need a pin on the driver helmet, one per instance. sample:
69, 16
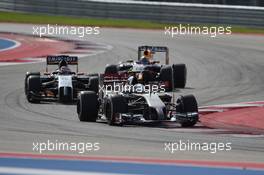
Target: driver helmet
65, 70
147, 54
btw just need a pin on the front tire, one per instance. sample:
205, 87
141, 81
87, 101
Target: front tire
115, 105
33, 86
186, 104
26, 79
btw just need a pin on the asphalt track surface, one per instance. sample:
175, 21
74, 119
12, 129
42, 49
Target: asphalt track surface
226, 69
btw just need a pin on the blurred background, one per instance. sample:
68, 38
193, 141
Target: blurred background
224, 2
249, 14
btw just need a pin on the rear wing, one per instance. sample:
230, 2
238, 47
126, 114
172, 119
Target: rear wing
55, 60
154, 49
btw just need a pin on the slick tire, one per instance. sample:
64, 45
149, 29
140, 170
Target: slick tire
179, 75
114, 106
94, 84
186, 104
166, 75
33, 85
87, 106
111, 69
26, 77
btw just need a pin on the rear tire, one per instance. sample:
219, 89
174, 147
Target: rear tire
179, 75
87, 106
114, 106
147, 77
111, 69
33, 85
186, 104
94, 84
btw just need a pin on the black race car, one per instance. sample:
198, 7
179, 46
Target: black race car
61, 85
172, 76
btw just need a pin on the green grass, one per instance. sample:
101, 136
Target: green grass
84, 21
